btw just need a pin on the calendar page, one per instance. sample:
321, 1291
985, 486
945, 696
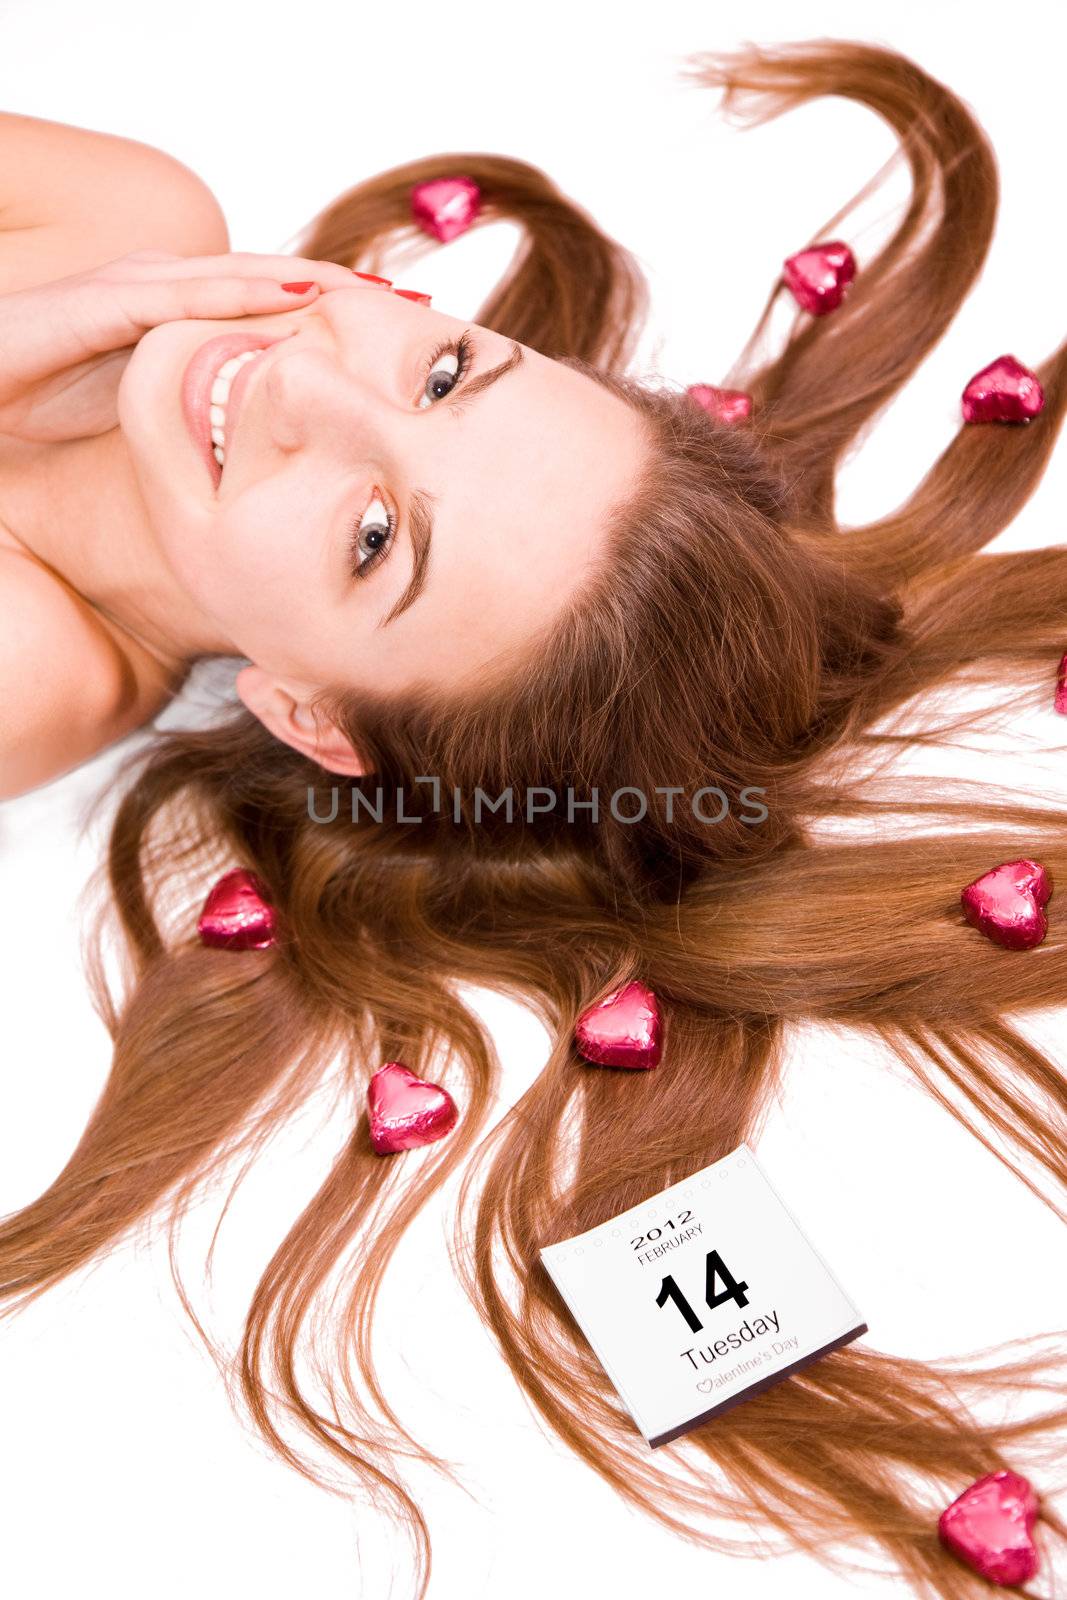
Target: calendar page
701, 1296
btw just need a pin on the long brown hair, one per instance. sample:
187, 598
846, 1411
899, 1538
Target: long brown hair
736, 637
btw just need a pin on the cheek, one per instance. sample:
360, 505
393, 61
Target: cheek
263, 579
254, 562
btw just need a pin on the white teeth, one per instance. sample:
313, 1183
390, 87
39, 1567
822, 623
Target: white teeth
220, 393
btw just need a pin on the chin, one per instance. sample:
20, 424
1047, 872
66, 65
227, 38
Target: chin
149, 393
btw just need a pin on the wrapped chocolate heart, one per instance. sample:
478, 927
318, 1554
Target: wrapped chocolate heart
1005, 391
723, 405
623, 1030
1060, 702
1007, 903
990, 1527
445, 207
818, 278
237, 914
405, 1111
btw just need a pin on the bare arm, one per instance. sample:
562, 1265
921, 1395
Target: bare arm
71, 198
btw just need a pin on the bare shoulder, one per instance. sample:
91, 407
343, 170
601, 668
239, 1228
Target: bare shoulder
71, 198
71, 682
69, 685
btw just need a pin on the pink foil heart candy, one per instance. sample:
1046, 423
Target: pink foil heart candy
1060, 701
445, 207
1006, 903
1005, 391
406, 1111
237, 914
817, 278
990, 1527
724, 405
621, 1031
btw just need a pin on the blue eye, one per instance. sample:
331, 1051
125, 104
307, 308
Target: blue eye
372, 536
460, 354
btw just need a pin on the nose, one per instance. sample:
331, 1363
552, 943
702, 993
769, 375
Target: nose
314, 400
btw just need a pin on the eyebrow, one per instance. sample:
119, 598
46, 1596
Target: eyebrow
420, 515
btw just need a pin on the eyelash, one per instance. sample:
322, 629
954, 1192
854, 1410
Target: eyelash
463, 349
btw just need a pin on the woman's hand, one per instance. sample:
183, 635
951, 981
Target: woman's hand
64, 345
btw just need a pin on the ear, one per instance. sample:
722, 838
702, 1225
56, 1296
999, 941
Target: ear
292, 720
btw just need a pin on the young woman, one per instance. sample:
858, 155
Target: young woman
619, 593
127, 535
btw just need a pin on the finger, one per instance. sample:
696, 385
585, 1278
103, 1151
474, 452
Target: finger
104, 315
151, 255
131, 310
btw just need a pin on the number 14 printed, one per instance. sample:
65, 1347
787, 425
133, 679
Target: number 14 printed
716, 1269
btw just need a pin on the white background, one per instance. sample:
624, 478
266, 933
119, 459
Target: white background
123, 1470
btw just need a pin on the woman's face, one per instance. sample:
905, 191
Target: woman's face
366, 424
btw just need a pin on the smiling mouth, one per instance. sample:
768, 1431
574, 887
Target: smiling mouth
220, 394
211, 392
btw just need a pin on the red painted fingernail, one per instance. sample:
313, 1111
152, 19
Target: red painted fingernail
413, 294
299, 288
372, 277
